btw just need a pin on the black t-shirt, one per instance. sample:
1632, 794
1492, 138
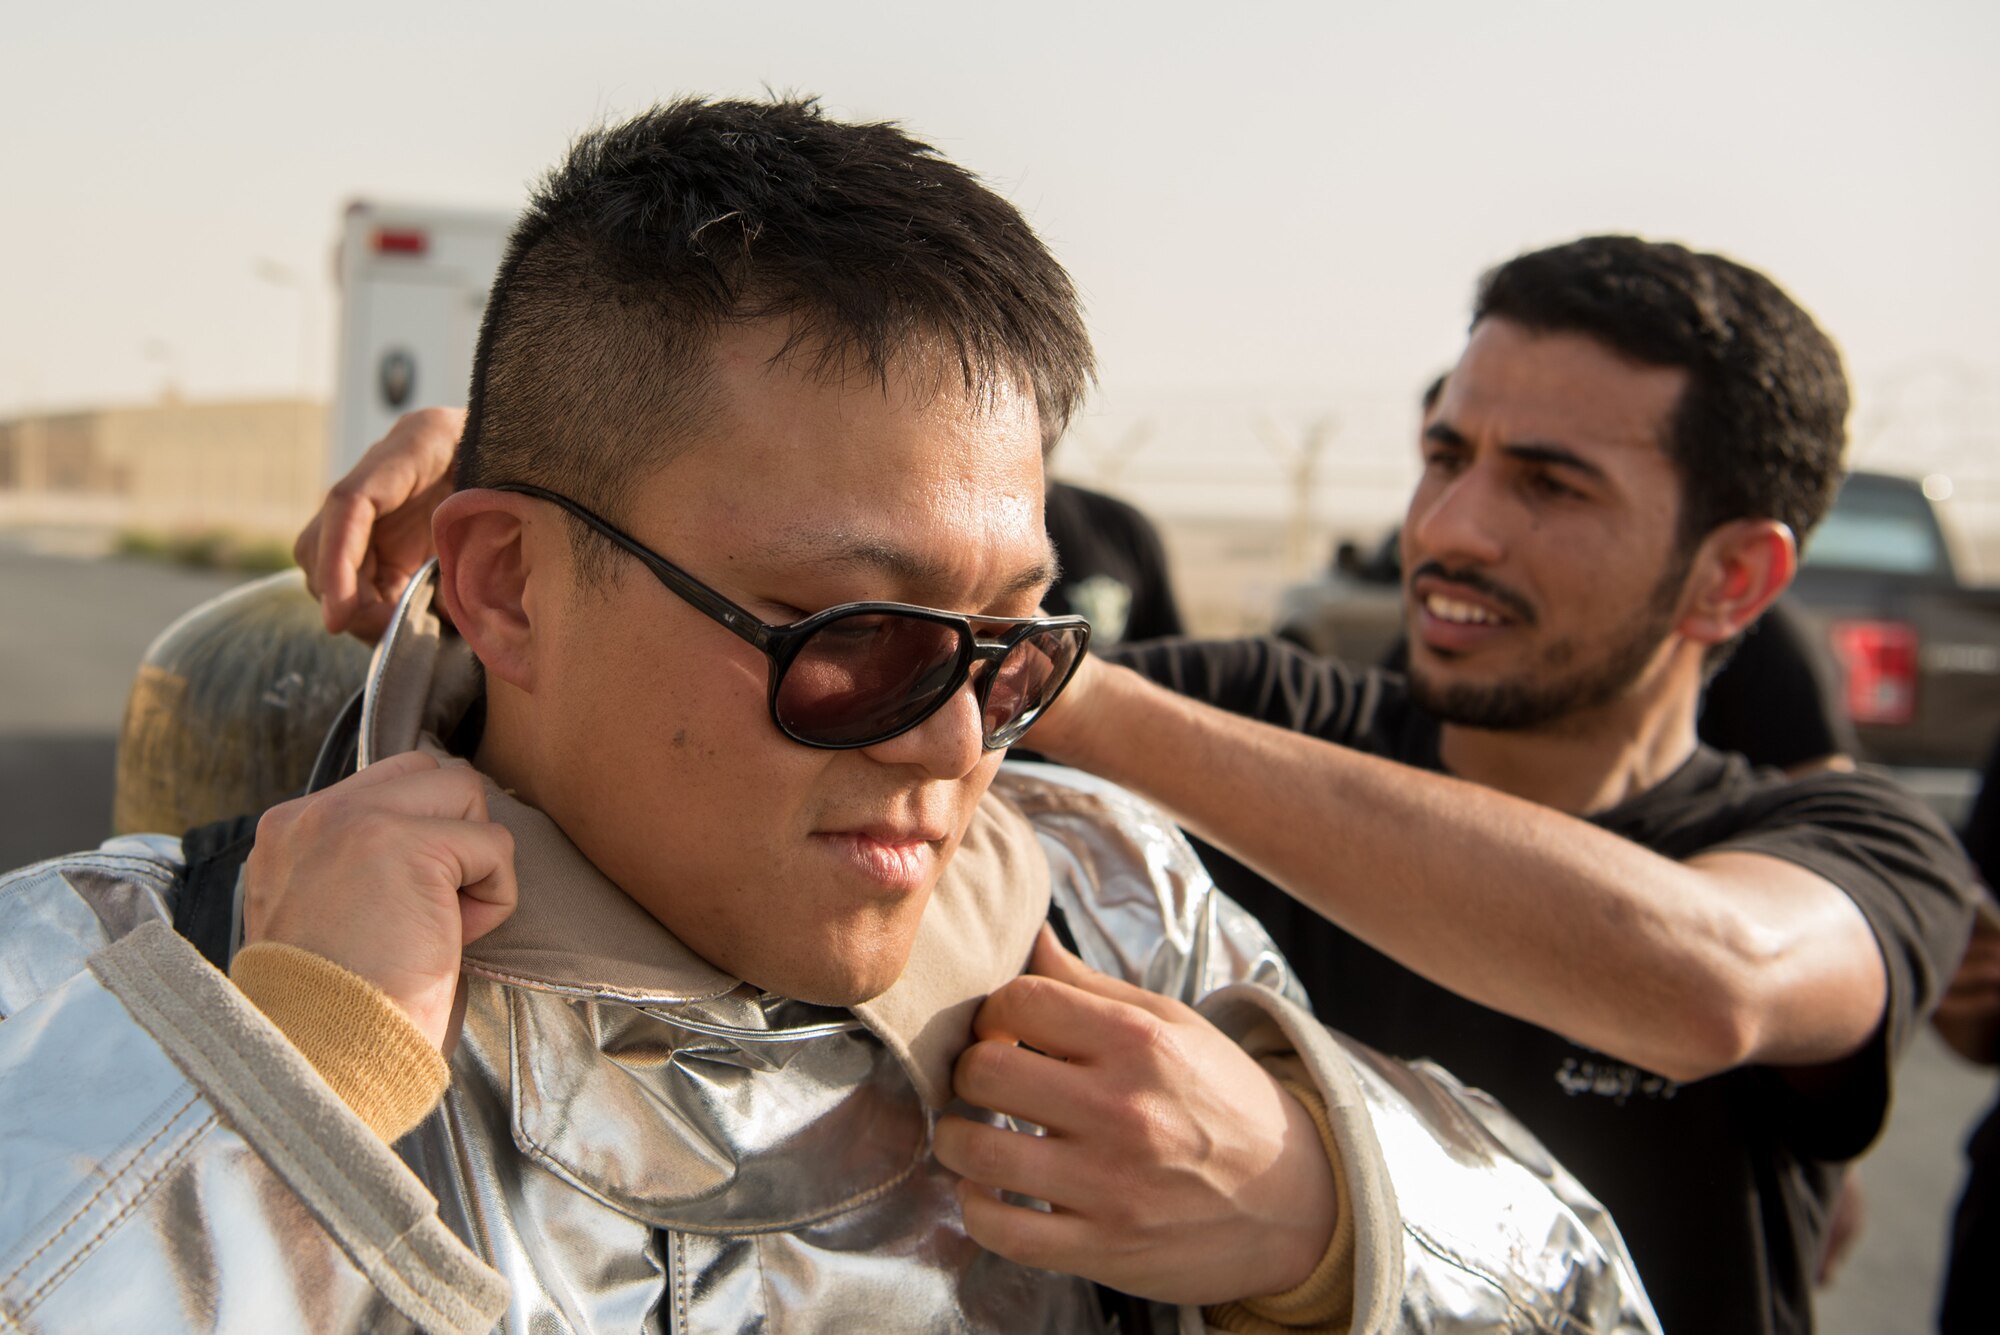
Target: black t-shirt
1721, 1187
1775, 699
1114, 567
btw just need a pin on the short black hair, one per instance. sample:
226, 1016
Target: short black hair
1762, 426
654, 235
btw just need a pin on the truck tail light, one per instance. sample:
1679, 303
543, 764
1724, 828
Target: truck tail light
401, 241
1879, 659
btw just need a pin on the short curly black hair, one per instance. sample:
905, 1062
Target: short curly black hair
655, 234
1762, 427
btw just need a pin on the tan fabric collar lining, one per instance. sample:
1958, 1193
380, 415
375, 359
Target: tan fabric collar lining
575, 932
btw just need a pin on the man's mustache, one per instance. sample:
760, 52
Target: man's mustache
1516, 606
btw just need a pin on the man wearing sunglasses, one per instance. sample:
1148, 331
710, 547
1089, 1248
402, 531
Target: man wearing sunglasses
664, 921
1515, 858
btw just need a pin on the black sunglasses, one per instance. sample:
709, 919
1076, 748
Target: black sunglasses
861, 673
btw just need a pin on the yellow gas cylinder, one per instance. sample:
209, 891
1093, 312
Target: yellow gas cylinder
229, 708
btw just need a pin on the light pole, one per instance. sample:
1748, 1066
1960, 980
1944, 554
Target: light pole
283, 275
160, 351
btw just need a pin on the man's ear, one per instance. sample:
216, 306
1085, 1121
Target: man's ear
1739, 570
486, 550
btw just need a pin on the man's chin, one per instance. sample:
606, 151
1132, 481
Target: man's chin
843, 992
1496, 706
845, 996
839, 976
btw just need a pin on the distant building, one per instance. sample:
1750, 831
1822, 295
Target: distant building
255, 468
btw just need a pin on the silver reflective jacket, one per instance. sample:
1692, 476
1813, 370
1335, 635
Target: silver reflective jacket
670, 1151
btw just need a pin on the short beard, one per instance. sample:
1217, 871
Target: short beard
1536, 701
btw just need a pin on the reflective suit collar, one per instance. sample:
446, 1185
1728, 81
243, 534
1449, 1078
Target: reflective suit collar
575, 932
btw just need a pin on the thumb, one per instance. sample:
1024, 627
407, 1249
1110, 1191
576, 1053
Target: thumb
1051, 959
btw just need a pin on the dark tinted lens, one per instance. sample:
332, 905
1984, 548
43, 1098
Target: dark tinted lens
1028, 678
862, 677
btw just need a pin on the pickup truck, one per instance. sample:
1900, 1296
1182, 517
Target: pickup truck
1918, 649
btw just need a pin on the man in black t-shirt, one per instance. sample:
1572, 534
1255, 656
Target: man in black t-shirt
1688, 976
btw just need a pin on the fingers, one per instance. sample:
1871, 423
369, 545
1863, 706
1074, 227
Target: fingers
477, 858
1084, 1054
990, 1160
1050, 959
1065, 1008
435, 791
1038, 1238
387, 873
305, 553
344, 525
455, 790
992, 1157
373, 529
369, 621
1028, 1085
1059, 1019
385, 769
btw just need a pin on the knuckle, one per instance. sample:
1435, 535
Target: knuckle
1126, 1209
1025, 1248
432, 421
258, 870
1002, 1230
318, 814
354, 821
340, 824
978, 1071
946, 1138
1006, 994
987, 1153
1143, 1133
1141, 1033
1032, 992
276, 824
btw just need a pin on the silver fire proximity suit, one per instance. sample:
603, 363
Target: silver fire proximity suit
633, 1141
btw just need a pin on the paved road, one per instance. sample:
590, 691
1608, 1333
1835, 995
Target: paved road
71, 633
1909, 1181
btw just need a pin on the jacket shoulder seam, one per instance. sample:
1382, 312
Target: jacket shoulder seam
140, 1194
373, 1209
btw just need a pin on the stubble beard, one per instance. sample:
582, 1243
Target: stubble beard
1555, 690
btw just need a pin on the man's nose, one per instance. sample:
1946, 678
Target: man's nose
947, 745
1456, 521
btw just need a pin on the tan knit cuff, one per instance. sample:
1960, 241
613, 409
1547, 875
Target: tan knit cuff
359, 1041
1324, 1300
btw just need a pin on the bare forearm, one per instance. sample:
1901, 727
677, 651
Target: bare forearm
1505, 902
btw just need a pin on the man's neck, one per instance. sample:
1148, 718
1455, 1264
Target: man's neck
1585, 762
503, 754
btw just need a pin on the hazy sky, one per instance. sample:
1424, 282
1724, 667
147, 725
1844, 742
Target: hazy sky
1279, 200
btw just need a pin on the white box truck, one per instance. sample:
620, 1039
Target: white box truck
413, 285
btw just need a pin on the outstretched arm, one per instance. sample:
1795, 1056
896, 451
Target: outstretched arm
1686, 969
